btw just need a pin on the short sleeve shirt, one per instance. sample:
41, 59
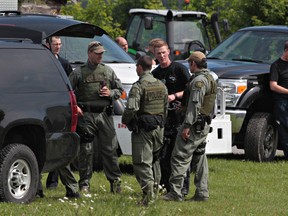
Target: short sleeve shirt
175, 76
279, 74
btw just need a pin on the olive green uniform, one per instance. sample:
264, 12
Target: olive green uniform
201, 101
147, 105
97, 121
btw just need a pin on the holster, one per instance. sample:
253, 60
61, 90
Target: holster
200, 123
150, 122
133, 126
109, 110
85, 135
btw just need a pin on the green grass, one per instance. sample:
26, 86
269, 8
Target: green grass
237, 187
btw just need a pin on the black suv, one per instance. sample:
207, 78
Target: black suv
75, 37
38, 114
242, 63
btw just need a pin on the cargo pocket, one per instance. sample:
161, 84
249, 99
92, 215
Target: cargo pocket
137, 149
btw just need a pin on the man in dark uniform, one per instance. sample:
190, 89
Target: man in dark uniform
96, 86
144, 115
66, 175
279, 86
175, 76
193, 132
54, 44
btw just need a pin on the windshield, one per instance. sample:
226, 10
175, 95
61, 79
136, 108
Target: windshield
253, 46
74, 49
188, 30
185, 30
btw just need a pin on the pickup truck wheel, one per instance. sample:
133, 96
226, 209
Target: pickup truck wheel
261, 138
19, 174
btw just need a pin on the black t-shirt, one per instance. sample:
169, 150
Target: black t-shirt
279, 73
175, 76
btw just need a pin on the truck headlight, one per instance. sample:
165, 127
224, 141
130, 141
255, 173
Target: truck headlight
233, 90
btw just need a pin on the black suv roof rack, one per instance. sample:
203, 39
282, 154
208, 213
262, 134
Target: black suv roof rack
22, 34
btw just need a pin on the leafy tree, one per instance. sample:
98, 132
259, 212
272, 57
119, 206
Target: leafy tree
266, 12
112, 15
97, 12
124, 7
153, 4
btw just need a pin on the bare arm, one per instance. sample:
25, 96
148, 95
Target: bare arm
177, 95
277, 88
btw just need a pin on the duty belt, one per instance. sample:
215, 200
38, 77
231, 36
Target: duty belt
206, 118
91, 107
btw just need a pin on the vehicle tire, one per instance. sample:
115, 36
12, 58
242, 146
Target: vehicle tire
261, 138
97, 157
19, 174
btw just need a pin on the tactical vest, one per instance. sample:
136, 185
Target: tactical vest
89, 86
209, 98
152, 100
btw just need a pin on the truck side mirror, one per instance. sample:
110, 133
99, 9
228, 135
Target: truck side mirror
148, 23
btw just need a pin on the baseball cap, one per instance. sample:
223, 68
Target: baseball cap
197, 56
96, 47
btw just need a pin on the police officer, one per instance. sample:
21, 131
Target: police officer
96, 86
175, 76
144, 115
193, 132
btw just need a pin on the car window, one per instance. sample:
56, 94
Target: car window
75, 50
31, 72
259, 46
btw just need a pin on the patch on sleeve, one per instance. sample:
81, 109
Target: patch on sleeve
199, 84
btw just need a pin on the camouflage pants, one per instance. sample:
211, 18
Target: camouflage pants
180, 161
145, 155
100, 127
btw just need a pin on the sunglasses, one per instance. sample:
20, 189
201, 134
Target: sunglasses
95, 44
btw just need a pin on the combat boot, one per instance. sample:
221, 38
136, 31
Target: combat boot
172, 197
115, 186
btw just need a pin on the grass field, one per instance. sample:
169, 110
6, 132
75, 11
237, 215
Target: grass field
237, 187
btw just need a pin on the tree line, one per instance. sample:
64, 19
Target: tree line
113, 15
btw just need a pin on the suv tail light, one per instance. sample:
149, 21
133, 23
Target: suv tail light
74, 117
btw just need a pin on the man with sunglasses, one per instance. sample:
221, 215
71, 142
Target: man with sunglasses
96, 86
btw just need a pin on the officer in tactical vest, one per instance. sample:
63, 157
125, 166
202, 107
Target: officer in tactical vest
96, 86
193, 132
144, 115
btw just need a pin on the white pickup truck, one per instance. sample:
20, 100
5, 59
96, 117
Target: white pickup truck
219, 141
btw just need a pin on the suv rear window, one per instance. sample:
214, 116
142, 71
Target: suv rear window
75, 50
31, 72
